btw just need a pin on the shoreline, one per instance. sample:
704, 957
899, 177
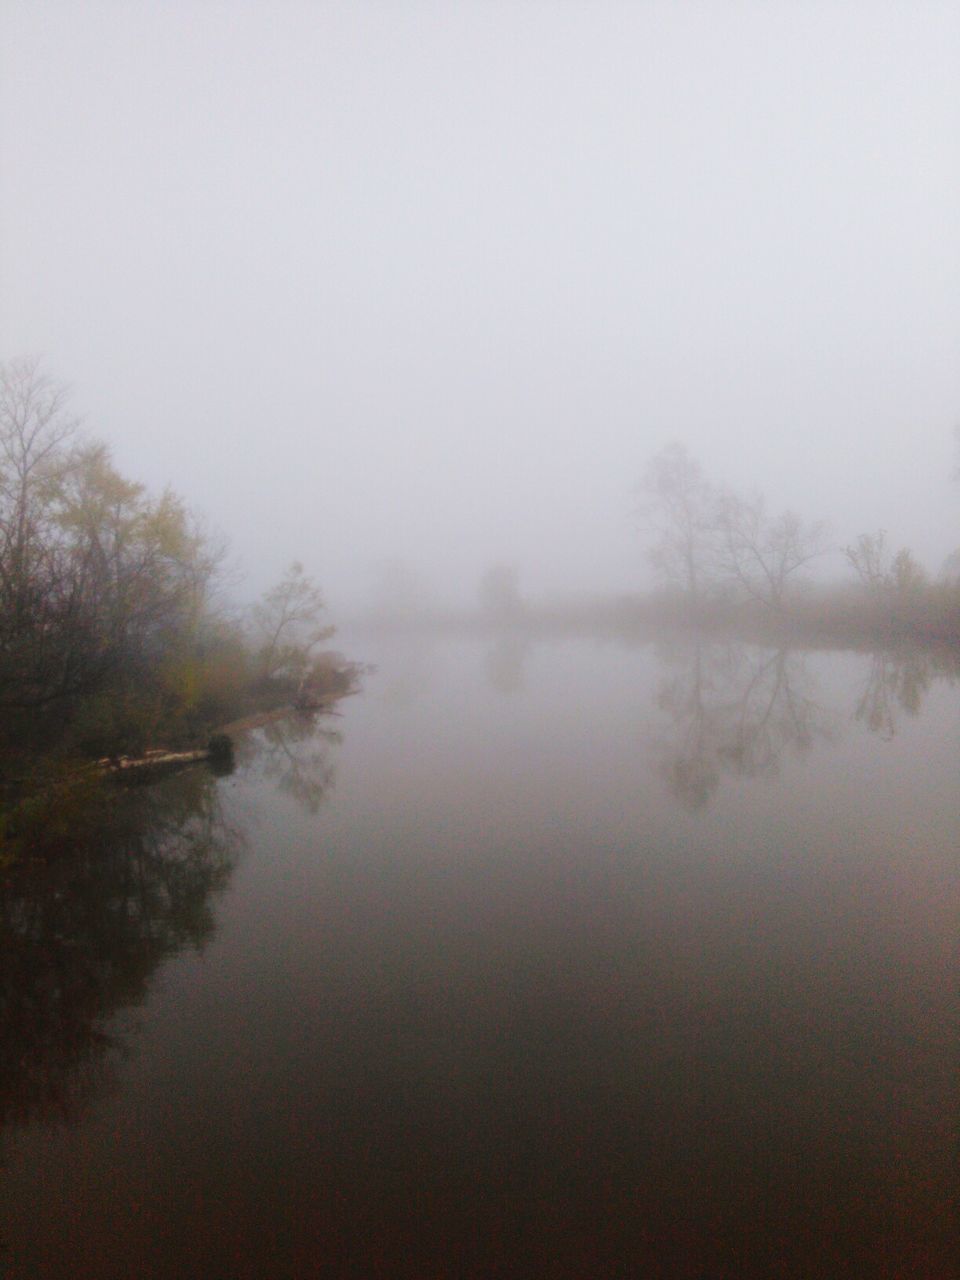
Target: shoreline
32, 814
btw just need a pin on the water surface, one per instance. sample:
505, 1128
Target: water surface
570, 959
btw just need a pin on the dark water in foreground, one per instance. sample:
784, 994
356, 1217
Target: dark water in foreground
573, 961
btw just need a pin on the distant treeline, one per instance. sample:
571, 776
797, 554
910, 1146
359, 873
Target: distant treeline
725, 560
844, 616
113, 633
724, 563
840, 615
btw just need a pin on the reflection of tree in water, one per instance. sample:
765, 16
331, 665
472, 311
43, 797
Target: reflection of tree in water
81, 938
895, 681
735, 710
297, 753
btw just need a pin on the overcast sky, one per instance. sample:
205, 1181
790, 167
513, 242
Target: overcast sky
432, 281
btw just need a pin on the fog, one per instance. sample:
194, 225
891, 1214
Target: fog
430, 283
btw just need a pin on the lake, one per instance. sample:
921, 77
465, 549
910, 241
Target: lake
561, 958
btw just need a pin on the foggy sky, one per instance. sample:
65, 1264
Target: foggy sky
431, 281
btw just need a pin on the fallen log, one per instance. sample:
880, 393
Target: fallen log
148, 766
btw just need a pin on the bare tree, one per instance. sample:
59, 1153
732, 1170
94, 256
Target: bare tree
678, 505
707, 538
869, 561
35, 431
762, 553
36, 593
287, 619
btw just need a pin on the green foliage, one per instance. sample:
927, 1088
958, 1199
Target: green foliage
109, 638
101, 585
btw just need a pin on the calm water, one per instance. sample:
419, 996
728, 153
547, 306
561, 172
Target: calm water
558, 960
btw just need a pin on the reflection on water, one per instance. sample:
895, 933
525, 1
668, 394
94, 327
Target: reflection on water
504, 1006
899, 682
81, 938
734, 709
297, 753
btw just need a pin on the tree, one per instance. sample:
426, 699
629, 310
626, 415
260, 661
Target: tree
142, 566
36, 435
287, 621
35, 431
950, 570
104, 590
762, 553
679, 506
868, 559
909, 578
708, 539
902, 577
